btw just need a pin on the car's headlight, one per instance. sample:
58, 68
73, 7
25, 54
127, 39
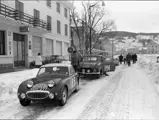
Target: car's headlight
51, 84
30, 84
22, 95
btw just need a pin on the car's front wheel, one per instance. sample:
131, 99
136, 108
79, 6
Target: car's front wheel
63, 97
25, 102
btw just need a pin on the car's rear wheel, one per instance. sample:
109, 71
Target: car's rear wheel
25, 102
77, 85
63, 97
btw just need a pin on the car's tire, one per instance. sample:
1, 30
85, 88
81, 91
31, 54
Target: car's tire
64, 96
77, 87
25, 102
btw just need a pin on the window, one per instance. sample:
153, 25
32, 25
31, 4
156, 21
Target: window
48, 2
65, 12
66, 29
49, 23
36, 17
19, 6
72, 71
2, 43
54, 70
36, 14
58, 7
58, 26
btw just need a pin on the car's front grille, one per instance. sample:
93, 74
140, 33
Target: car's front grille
37, 95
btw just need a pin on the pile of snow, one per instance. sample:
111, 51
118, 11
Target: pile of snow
151, 67
9, 83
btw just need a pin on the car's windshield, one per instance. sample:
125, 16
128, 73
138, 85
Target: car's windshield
55, 70
90, 58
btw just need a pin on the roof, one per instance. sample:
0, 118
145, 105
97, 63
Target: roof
57, 64
92, 55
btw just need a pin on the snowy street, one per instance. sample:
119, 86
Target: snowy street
127, 93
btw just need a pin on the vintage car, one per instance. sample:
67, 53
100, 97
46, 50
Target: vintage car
53, 82
92, 65
57, 58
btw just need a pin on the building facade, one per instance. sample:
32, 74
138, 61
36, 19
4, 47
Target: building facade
153, 47
31, 27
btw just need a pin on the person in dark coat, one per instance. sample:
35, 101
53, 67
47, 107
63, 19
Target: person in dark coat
134, 58
121, 59
128, 58
75, 60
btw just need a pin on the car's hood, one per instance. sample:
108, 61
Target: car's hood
46, 79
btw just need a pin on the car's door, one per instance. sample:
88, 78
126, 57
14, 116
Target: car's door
72, 79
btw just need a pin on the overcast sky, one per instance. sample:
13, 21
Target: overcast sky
132, 16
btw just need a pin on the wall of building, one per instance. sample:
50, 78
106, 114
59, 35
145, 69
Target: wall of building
12, 26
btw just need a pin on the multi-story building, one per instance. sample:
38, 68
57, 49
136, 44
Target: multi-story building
31, 27
139, 37
152, 47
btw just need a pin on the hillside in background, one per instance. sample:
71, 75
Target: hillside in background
125, 34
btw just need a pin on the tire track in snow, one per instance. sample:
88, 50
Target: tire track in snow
99, 104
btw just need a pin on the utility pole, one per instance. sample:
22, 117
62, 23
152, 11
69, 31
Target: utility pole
112, 49
90, 31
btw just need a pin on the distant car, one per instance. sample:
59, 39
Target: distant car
92, 65
57, 58
53, 82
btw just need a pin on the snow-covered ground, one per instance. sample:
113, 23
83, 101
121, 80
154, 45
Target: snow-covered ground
127, 93
11, 109
148, 62
9, 83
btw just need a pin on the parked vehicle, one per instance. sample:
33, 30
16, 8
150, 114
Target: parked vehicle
92, 65
110, 64
57, 58
53, 82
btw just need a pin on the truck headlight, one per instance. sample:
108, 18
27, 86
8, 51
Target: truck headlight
30, 84
51, 84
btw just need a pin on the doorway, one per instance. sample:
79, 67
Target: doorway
19, 50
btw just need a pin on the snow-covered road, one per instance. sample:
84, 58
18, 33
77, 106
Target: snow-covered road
126, 93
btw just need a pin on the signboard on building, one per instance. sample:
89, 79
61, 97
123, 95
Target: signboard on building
24, 28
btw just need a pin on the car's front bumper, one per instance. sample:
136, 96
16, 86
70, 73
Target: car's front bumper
90, 73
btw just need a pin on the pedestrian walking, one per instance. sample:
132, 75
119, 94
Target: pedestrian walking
124, 58
38, 61
121, 59
75, 60
129, 58
134, 58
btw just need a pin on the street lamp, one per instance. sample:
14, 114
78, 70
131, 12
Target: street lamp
90, 36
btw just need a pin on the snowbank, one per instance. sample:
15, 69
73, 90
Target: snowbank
152, 68
9, 83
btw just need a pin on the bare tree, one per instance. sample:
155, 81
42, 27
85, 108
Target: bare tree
93, 22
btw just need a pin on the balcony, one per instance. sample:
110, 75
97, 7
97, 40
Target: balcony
9, 12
